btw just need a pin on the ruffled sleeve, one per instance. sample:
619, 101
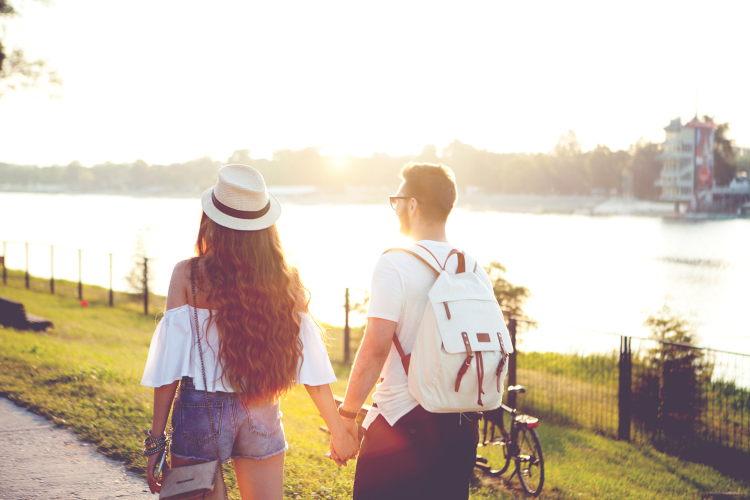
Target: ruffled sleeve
169, 352
315, 367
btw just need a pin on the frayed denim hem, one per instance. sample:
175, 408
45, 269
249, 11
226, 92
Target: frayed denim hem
285, 448
185, 457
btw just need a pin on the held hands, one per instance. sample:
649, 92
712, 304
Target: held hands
344, 445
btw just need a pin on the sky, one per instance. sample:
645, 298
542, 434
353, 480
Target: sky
168, 81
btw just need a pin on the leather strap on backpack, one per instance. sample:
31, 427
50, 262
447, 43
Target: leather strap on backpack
465, 366
405, 358
461, 261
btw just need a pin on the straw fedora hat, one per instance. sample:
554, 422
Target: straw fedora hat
240, 200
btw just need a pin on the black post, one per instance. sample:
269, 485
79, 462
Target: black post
625, 391
111, 293
512, 324
145, 286
27, 265
5, 271
346, 327
52, 269
80, 282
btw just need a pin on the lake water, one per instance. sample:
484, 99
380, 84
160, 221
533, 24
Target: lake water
597, 273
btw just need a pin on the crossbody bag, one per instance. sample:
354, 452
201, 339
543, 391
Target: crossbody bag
204, 481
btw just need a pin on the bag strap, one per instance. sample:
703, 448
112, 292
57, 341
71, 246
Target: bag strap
203, 370
406, 358
410, 252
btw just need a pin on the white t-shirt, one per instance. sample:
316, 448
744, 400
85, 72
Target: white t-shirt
400, 284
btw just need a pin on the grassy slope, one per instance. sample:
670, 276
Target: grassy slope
84, 375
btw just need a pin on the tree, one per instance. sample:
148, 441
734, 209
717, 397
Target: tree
725, 166
646, 169
136, 280
16, 70
604, 167
429, 154
510, 297
668, 395
570, 176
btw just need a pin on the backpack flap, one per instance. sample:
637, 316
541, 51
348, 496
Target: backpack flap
462, 303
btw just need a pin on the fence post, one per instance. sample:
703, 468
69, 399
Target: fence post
52, 269
5, 271
625, 390
80, 282
27, 265
512, 324
346, 327
111, 293
145, 286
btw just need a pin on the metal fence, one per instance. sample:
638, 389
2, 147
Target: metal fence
37, 263
683, 397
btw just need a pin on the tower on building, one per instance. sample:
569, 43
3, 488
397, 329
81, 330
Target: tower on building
687, 174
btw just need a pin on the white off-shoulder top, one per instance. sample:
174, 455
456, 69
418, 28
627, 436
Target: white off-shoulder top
173, 353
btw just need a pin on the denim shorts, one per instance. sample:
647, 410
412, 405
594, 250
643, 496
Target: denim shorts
242, 430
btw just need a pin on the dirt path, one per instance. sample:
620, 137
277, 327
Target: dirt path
41, 461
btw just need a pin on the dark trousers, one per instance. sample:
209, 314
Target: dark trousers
425, 455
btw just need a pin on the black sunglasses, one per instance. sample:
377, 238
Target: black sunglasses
394, 200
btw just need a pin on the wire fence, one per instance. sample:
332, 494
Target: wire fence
693, 400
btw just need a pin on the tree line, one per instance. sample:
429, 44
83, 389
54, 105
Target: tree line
566, 170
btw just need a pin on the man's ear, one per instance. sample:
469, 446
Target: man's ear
416, 205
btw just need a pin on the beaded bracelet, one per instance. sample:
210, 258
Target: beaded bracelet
153, 451
154, 445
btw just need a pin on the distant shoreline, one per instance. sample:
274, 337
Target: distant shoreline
592, 205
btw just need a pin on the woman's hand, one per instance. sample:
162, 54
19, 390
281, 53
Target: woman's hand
151, 465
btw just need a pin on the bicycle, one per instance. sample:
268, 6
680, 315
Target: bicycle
521, 445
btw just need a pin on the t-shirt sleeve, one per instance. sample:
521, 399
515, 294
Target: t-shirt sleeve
314, 367
386, 292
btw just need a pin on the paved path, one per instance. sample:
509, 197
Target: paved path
41, 461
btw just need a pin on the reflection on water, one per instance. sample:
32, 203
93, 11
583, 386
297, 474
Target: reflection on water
600, 273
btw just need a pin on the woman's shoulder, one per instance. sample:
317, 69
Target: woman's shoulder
177, 295
182, 269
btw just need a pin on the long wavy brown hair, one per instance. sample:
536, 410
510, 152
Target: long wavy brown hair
256, 299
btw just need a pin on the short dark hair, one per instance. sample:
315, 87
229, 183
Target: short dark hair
434, 186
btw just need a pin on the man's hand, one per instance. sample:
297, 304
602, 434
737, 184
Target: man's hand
352, 429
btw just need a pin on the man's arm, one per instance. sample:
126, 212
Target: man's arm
368, 364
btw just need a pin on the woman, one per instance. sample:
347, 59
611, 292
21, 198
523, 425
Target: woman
257, 338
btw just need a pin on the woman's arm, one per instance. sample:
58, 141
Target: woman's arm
345, 447
163, 397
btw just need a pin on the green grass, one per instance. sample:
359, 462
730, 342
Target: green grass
84, 375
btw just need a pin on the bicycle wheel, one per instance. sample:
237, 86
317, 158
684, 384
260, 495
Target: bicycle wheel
494, 457
530, 463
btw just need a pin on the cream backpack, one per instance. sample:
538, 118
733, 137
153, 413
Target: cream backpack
459, 359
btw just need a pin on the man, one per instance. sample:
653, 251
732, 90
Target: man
408, 452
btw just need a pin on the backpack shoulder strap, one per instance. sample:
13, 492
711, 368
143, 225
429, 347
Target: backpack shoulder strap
416, 251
